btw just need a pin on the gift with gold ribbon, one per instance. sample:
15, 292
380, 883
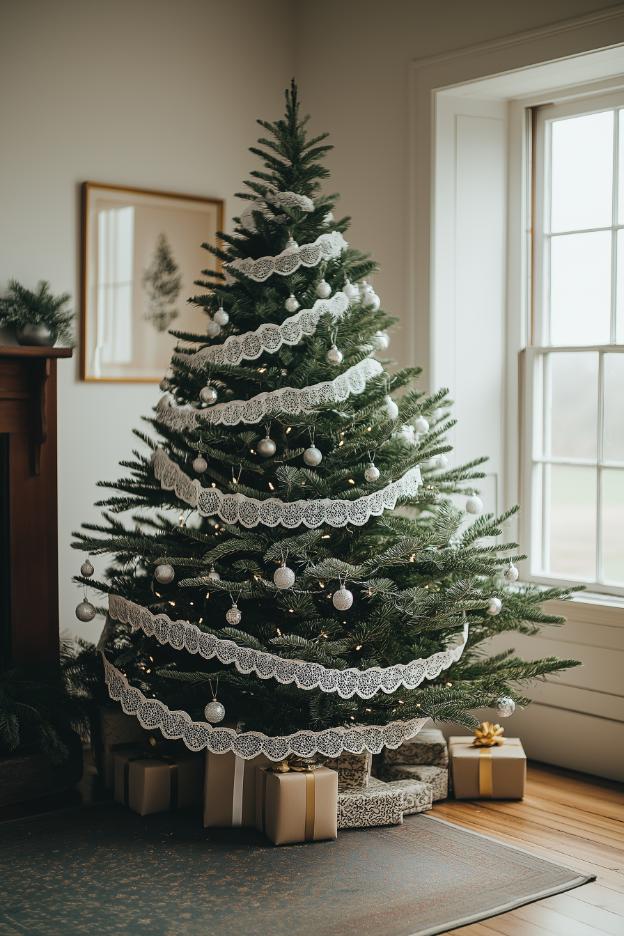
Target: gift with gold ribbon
297, 802
488, 765
150, 780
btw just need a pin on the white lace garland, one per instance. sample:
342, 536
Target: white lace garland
325, 247
269, 336
273, 199
288, 200
199, 736
182, 635
286, 400
272, 512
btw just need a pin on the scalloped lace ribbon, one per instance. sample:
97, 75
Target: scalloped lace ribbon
274, 199
272, 512
289, 400
268, 337
198, 736
182, 635
325, 247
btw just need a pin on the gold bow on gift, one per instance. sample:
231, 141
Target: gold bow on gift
488, 735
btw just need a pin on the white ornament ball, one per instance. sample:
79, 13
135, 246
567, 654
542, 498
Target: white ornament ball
164, 573
372, 300
291, 304
421, 424
381, 340
221, 317
214, 712
208, 394
213, 329
213, 576
474, 505
86, 569
313, 456
511, 573
233, 616
334, 355
495, 606
284, 577
85, 611
329, 218
391, 407
266, 447
371, 473
199, 464
323, 289
505, 707
350, 290
342, 599
291, 245
407, 434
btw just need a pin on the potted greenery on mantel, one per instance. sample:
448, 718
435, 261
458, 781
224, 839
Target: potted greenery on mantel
37, 317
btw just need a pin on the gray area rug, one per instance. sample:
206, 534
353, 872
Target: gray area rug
103, 870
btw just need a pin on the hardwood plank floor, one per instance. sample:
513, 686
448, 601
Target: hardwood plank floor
572, 819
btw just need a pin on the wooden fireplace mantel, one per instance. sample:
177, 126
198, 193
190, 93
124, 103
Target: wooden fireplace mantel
29, 590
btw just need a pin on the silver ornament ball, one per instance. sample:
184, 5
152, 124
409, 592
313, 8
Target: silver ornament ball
86, 569
372, 301
495, 606
391, 407
208, 395
323, 289
371, 472
291, 245
291, 304
233, 616
421, 424
505, 707
221, 317
199, 464
342, 599
511, 573
312, 456
474, 505
85, 611
381, 340
350, 290
213, 329
284, 577
214, 712
213, 576
334, 355
266, 447
164, 573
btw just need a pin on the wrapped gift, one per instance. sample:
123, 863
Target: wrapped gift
353, 770
418, 796
435, 777
427, 747
230, 789
115, 728
296, 805
379, 804
488, 766
155, 782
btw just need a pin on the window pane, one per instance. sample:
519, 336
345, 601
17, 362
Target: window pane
619, 324
613, 444
571, 401
613, 525
581, 172
580, 289
621, 161
571, 516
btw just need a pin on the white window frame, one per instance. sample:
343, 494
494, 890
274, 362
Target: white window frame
534, 360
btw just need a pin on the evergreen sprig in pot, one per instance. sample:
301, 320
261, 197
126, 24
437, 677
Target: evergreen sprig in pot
37, 317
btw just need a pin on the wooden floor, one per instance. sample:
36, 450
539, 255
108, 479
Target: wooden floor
568, 818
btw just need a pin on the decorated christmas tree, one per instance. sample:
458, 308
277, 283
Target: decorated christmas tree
294, 570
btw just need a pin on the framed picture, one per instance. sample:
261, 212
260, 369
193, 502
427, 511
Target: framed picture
141, 252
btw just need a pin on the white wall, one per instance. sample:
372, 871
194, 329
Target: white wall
147, 93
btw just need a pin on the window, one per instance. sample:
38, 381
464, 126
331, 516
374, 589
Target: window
573, 448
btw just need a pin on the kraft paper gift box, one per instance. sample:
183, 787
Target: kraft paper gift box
379, 804
435, 777
353, 770
230, 790
297, 806
427, 748
115, 729
152, 783
497, 772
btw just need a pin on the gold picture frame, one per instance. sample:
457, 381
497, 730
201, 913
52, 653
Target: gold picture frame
140, 253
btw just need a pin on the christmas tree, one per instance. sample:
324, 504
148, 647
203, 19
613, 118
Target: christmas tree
295, 556
162, 282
